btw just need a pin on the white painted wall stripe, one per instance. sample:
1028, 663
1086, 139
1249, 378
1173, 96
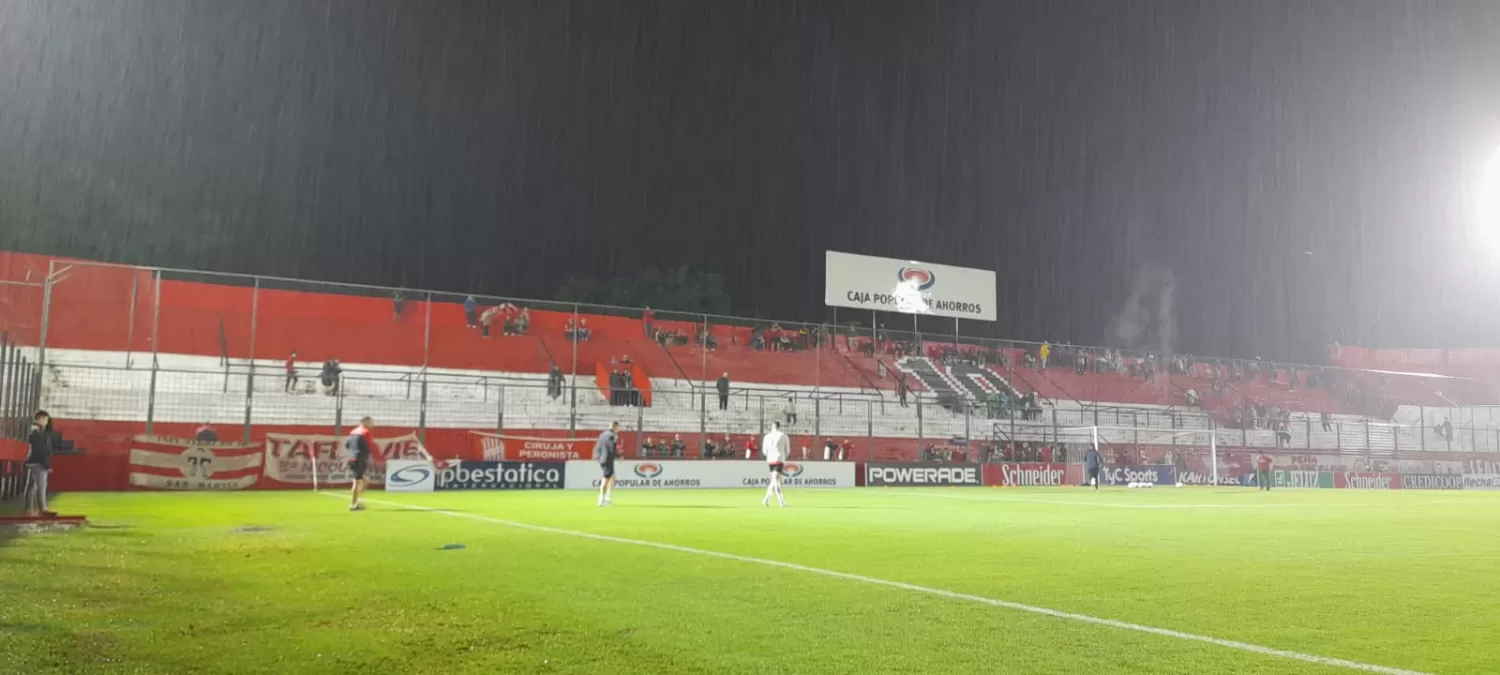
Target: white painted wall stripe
952, 595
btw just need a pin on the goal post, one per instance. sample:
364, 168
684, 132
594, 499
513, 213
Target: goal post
1194, 454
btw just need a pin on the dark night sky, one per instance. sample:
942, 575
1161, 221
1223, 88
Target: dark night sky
1077, 148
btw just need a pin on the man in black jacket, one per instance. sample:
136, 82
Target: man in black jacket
723, 387
38, 465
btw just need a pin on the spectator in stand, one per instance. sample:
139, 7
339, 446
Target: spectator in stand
831, 450
555, 382
649, 448
678, 449
1446, 430
709, 447
846, 450
723, 387
1081, 365
1327, 420
487, 318
330, 376
523, 322
206, 434
1193, 399
398, 303
647, 319
789, 410
1044, 353
471, 312
291, 374
901, 388
750, 449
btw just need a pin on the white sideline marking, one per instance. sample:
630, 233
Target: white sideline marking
952, 595
1106, 505
1109, 505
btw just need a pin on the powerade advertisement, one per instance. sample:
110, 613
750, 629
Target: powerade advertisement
1125, 475
879, 474
471, 475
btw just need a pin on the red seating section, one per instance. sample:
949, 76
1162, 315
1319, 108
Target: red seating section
109, 308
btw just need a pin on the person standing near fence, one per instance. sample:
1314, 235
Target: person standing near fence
291, 374
38, 465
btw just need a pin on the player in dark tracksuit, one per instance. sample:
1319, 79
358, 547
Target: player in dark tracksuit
606, 451
38, 464
361, 448
1091, 464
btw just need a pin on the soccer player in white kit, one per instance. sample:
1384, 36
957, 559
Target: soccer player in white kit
777, 448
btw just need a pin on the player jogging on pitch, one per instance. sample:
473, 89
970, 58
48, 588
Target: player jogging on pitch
1263, 471
361, 447
606, 451
1091, 463
777, 448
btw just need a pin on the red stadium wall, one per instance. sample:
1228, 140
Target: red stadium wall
12, 450
106, 462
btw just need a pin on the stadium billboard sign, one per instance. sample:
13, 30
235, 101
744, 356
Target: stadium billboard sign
689, 474
1029, 474
1154, 474
409, 475
1367, 481
495, 447
910, 474
1301, 479
1482, 481
1226, 477
471, 475
891, 285
1432, 481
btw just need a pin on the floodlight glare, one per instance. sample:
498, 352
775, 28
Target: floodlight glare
1488, 201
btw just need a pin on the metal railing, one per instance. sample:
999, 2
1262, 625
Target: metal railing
120, 309
425, 400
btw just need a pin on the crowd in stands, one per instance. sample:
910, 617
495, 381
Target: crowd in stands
513, 320
674, 448
1026, 451
578, 331
1003, 405
622, 387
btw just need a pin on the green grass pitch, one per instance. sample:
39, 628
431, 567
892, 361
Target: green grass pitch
181, 583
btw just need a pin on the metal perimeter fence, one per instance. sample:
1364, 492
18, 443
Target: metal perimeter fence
116, 342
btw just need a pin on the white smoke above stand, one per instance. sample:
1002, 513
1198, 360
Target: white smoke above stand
1148, 319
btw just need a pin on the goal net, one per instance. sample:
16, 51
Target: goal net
1159, 456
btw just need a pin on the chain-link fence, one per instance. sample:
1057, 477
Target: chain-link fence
170, 346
